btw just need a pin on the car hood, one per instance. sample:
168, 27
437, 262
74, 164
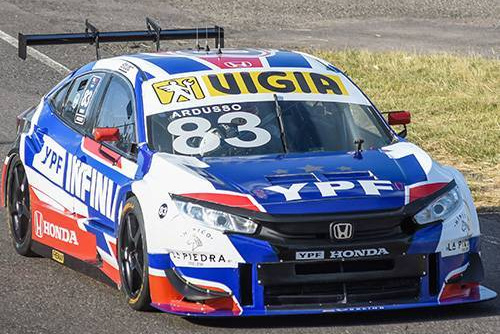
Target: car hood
316, 183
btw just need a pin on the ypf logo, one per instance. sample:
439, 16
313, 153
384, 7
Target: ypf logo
341, 231
178, 90
38, 224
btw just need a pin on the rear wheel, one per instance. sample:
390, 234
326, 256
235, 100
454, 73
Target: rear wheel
132, 257
18, 208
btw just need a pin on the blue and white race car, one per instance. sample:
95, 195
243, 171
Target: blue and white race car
237, 182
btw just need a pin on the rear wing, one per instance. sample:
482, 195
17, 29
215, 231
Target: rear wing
92, 35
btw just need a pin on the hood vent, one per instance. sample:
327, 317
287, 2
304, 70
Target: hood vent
291, 178
358, 175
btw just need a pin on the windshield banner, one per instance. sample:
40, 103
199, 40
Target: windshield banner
244, 85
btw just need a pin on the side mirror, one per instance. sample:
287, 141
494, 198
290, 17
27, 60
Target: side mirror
399, 117
106, 134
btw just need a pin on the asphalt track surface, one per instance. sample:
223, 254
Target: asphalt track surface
40, 296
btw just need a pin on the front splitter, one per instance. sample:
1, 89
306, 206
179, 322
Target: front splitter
484, 295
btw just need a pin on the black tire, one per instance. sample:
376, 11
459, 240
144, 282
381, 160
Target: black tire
133, 257
18, 208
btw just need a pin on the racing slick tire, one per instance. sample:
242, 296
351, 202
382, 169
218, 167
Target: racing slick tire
18, 208
133, 257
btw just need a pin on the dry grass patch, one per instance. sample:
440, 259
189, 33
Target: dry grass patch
454, 102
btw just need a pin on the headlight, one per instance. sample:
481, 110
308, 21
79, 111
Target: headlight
218, 220
440, 208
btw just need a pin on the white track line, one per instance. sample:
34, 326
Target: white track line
60, 68
491, 239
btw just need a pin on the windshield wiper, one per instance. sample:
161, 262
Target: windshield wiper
359, 147
279, 112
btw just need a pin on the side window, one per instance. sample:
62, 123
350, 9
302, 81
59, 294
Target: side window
77, 105
117, 111
57, 98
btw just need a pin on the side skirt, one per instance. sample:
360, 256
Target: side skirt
72, 262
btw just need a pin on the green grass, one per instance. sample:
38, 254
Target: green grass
455, 106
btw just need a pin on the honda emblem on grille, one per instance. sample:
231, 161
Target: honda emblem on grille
341, 231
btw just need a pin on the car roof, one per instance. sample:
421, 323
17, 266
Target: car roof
186, 61
150, 72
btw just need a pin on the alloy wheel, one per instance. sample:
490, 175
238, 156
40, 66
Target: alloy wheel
131, 255
19, 203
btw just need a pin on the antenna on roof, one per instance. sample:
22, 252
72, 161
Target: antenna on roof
154, 28
198, 47
218, 40
95, 36
207, 48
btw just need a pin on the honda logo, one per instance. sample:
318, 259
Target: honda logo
38, 224
341, 231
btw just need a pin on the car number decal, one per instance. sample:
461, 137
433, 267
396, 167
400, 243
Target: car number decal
210, 140
81, 113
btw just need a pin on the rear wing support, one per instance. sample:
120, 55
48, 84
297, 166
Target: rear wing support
94, 36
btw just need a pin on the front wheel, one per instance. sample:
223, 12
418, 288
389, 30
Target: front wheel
133, 256
18, 208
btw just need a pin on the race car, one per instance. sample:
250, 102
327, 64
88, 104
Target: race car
236, 182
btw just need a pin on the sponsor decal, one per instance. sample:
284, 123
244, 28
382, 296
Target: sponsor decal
341, 254
237, 83
355, 253
237, 64
196, 237
178, 90
45, 228
199, 259
462, 221
234, 62
206, 110
125, 67
91, 186
51, 161
57, 256
330, 188
162, 211
456, 247
78, 178
356, 309
310, 255
194, 242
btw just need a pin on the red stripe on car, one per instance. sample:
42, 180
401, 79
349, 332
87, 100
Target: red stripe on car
102, 152
425, 190
238, 201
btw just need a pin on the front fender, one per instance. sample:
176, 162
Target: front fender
466, 194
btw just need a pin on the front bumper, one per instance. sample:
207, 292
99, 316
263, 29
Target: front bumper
293, 266
268, 284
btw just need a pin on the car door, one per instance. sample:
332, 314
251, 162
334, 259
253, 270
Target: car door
109, 165
48, 153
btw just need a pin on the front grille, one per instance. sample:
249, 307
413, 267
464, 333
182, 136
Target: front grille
392, 289
309, 283
303, 294
329, 267
364, 229
342, 293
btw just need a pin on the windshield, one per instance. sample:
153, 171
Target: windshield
255, 128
